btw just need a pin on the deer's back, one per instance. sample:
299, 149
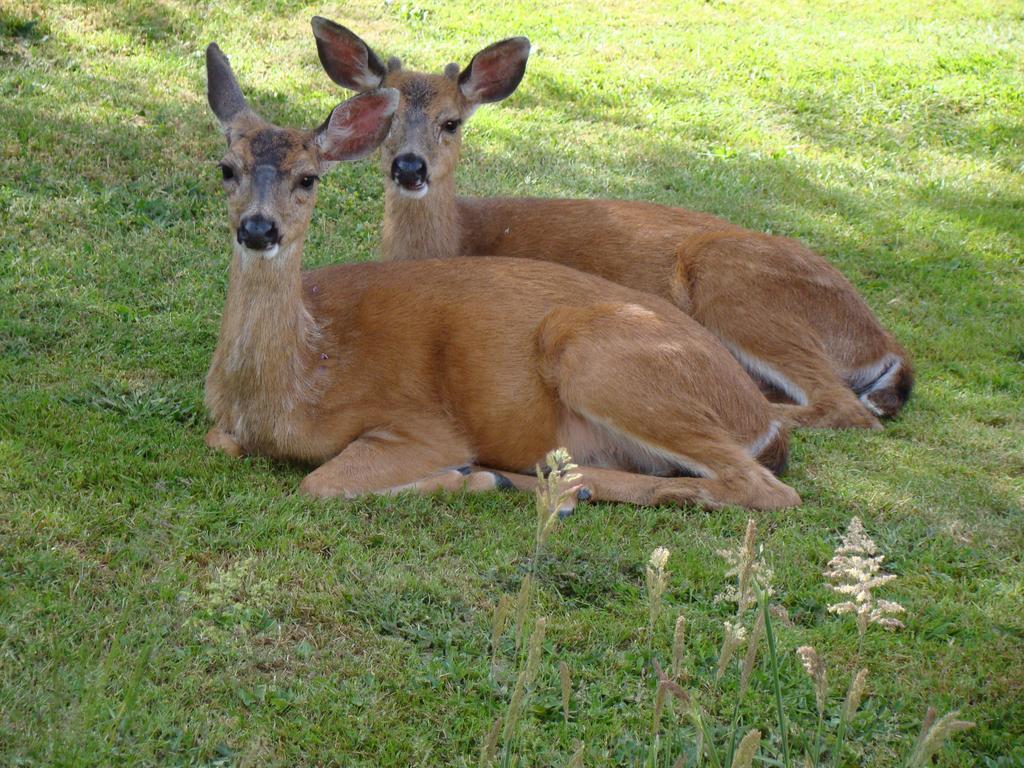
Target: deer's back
628, 242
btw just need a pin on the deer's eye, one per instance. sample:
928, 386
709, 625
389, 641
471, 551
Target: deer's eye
307, 182
227, 171
451, 126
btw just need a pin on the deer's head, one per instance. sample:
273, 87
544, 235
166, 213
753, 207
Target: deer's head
270, 173
423, 145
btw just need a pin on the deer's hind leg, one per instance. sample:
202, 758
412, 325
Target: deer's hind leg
750, 291
421, 458
632, 393
789, 358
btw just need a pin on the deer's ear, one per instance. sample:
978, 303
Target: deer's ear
222, 90
347, 60
495, 72
358, 126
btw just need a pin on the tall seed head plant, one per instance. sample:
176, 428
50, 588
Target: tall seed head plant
498, 624
854, 694
657, 580
750, 657
679, 648
744, 757
855, 571
934, 734
747, 565
814, 666
524, 682
554, 489
750, 571
732, 639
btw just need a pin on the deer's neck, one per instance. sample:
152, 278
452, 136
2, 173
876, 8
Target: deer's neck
427, 228
260, 378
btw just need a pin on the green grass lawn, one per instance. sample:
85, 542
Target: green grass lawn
162, 605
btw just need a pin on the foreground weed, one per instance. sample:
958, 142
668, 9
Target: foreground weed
814, 665
566, 682
679, 647
732, 638
490, 746
667, 687
747, 749
753, 577
850, 706
856, 570
555, 488
498, 624
656, 583
934, 734
556, 485
746, 564
524, 682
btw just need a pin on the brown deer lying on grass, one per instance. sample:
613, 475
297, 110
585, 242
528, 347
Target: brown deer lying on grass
791, 319
393, 376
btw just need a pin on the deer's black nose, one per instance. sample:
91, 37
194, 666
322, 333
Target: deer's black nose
258, 233
409, 170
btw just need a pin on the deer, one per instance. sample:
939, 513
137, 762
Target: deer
791, 319
456, 374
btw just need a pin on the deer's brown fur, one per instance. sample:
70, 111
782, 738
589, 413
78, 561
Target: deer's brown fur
394, 376
794, 322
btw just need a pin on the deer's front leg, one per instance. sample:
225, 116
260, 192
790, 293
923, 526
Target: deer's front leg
384, 462
221, 440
